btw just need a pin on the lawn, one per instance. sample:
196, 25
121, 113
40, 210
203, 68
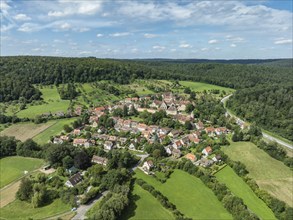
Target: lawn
270, 174
24, 131
190, 195
24, 210
13, 168
239, 188
144, 206
199, 87
55, 129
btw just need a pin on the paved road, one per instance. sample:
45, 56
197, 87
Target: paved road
265, 135
82, 209
142, 157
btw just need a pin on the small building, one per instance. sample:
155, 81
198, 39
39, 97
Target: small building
81, 142
74, 180
191, 157
207, 151
100, 160
147, 166
108, 145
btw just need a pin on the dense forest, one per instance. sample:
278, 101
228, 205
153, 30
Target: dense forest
19, 73
271, 107
263, 92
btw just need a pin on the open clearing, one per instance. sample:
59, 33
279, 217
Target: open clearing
55, 129
190, 195
200, 87
24, 131
144, 206
239, 188
270, 174
13, 168
24, 210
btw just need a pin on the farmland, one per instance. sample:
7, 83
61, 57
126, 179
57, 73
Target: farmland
239, 188
24, 131
144, 206
270, 174
13, 168
24, 210
190, 195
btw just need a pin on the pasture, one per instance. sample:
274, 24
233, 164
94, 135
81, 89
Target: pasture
24, 210
239, 188
24, 131
13, 168
55, 129
190, 195
145, 206
270, 174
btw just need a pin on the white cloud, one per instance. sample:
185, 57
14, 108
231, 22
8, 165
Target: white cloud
22, 17
146, 35
235, 39
120, 34
37, 49
213, 41
159, 48
29, 27
204, 49
184, 45
58, 41
233, 45
65, 26
100, 35
76, 8
283, 41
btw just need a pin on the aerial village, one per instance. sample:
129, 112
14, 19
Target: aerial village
133, 135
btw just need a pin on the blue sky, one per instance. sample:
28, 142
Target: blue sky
147, 29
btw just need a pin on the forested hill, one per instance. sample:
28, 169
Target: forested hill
270, 62
17, 74
264, 91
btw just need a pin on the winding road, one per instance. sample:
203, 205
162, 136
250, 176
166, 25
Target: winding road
265, 135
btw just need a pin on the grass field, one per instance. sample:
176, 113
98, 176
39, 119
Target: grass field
53, 104
13, 168
270, 174
199, 87
190, 195
239, 188
24, 131
53, 107
55, 129
24, 210
144, 206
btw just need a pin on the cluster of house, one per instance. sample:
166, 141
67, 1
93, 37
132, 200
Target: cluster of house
151, 133
78, 177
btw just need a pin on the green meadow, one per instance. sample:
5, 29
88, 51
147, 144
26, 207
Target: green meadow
190, 195
145, 206
23, 210
270, 174
13, 168
239, 188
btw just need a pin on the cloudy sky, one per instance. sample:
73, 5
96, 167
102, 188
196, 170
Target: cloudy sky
147, 29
